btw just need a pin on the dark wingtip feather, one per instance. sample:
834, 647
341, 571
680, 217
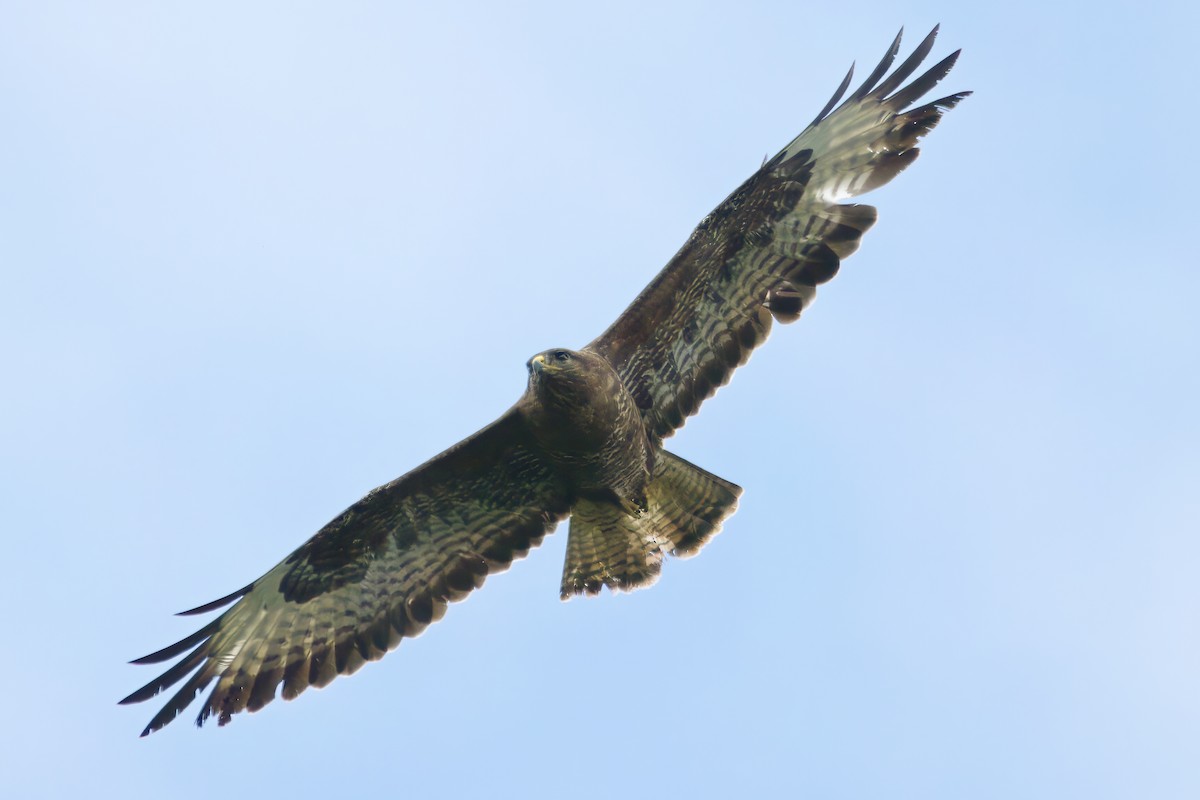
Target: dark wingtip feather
880, 69
930, 114
168, 678
215, 604
841, 90
179, 701
930, 78
908, 67
949, 101
172, 650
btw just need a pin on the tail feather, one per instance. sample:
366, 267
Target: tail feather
685, 507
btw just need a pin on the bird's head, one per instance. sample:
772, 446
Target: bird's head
576, 390
551, 364
561, 377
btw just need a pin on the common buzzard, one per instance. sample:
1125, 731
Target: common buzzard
584, 440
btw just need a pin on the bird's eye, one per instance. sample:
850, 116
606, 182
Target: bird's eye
561, 355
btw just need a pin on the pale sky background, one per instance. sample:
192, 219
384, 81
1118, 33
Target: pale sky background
259, 258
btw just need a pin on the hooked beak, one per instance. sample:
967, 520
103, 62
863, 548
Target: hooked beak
537, 363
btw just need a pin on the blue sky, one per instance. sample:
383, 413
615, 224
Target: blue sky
259, 260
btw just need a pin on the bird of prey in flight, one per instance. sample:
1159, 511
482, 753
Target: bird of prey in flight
584, 441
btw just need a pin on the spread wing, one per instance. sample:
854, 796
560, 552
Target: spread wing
763, 251
382, 570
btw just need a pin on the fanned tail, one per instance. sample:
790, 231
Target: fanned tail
685, 506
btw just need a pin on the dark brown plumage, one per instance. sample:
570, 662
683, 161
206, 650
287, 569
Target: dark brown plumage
584, 440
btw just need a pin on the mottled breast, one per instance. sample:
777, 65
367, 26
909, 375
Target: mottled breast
587, 424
